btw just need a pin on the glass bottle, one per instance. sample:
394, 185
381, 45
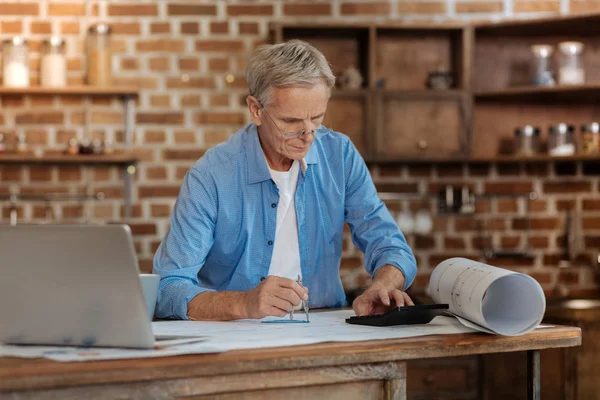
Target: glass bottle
543, 75
99, 56
53, 63
561, 140
590, 138
15, 56
571, 70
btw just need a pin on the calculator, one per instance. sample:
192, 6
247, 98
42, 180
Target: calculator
406, 315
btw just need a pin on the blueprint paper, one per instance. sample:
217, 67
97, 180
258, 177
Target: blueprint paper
487, 298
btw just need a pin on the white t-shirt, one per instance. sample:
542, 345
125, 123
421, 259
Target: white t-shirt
286, 251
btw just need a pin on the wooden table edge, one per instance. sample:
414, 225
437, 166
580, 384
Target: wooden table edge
23, 374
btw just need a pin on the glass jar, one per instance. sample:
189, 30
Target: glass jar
561, 140
15, 56
543, 75
527, 140
99, 56
590, 138
571, 70
53, 63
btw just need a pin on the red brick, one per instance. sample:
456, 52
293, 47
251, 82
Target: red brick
507, 262
450, 170
156, 172
239, 10
160, 101
136, 211
567, 187
421, 7
122, 28
130, 64
154, 136
69, 28
508, 187
69, 174
106, 117
37, 136
159, 64
462, 224
424, 242
586, 6
191, 100
479, 7
536, 6
225, 46
539, 242
510, 242
249, 28
233, 118
591, 204
66, 9
218, 64
160, 118
185, 137
191, 9
40, 27
46, 117
160, 210
40, 174
19, 9
565, 205
365, 8
454, 243
191, 83
591, 223
189, 28
537, 223
538, 205
160, 28
219, 100
507, 206
543, 277
169, 154
478, 169
397, 187
146, 265
161, 45
213, 137
143, 229
133, 9
297, 9
180, 172
351, 263
11, 27
219, 27
158, 191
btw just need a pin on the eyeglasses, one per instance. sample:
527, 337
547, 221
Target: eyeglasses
320, 131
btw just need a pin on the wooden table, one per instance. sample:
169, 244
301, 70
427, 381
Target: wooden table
355, 370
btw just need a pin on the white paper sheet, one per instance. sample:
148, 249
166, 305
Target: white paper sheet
66, 354
487, 298
327, 326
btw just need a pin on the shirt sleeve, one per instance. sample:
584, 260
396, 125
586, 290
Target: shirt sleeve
374, 231
184, 249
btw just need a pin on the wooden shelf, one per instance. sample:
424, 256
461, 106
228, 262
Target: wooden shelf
483, 160
125, 158
587, 24
546, 93
128, 91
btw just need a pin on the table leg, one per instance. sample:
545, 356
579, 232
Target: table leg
533, 375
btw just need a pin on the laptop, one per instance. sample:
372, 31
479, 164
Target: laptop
74, 285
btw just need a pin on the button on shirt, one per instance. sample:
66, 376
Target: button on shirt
223, 224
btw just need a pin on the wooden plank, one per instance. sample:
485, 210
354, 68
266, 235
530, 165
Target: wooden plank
358, 390
585, 23
417, 26
57, 158
559, 92
73, 90
19, 374
228, 383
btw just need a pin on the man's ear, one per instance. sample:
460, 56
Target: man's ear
254, 108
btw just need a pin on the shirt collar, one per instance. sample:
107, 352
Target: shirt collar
258, 170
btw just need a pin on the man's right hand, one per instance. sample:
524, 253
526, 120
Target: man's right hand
275, 296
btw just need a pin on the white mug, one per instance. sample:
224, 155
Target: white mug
150, 284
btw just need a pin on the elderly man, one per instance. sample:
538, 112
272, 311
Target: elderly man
269, 205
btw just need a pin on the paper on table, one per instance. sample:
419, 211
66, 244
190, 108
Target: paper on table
487, 298
327, 326
67, 354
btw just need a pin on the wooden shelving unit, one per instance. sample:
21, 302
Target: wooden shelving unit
124, 158
92, 91
492, 67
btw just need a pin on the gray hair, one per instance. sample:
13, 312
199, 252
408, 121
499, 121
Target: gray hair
290, 64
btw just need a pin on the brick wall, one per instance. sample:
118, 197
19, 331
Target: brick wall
179, 53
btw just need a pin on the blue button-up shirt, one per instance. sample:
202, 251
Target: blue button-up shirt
223, 224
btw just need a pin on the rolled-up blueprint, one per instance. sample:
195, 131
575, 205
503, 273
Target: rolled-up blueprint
487, 298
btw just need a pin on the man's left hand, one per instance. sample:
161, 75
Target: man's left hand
384, 294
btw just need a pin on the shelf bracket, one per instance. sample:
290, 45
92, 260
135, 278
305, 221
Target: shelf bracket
129, 120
